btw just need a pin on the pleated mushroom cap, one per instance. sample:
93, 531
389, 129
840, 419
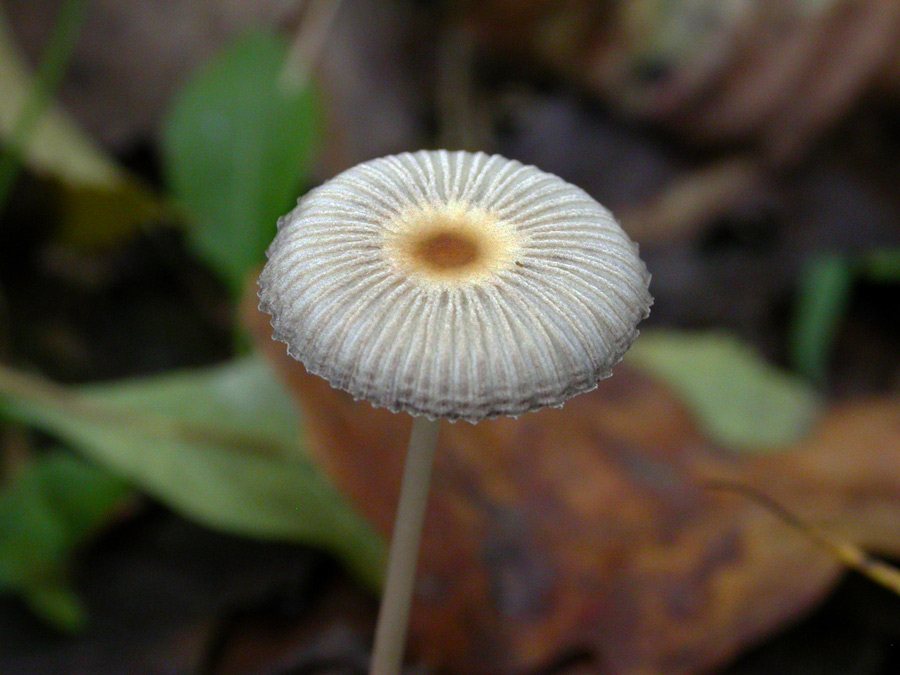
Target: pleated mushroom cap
454, 285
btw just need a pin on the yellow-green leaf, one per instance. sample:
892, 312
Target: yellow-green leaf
741, 401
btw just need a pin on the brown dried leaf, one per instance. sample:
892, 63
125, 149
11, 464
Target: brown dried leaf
588, 529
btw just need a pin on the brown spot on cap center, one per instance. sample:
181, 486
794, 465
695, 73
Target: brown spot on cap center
446, 251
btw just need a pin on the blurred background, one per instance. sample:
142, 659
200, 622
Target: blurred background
156, 513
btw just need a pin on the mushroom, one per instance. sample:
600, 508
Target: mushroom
450, 285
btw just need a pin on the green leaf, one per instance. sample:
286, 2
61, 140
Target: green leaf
221, 445
740, 400
822, 298
51, 145
53, 507
236, 147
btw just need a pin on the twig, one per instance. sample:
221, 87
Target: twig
848, 553
460, 120
689, 204
307, 45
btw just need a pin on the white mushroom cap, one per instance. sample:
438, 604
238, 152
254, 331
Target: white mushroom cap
454, 285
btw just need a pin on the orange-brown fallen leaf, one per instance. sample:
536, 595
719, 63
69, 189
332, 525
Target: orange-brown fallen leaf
589, 530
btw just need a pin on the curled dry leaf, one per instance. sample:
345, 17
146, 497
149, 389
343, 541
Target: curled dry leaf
777, 73
589, 529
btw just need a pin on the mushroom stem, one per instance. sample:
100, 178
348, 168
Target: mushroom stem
393, 616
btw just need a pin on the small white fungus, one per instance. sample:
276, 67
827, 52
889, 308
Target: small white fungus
454, 285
